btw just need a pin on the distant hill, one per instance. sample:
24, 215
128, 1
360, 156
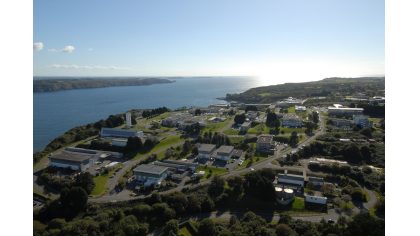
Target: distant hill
52, 85
371, 86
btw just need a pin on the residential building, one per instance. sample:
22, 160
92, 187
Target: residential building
79, 159
300, 108
341, 123
338, 109
290, 179
245, 126
315, 199
150, 174
362, 121
316, 181
119, 142
120, 133
205, 150
265, 144
291, 120
290, 101
224, 153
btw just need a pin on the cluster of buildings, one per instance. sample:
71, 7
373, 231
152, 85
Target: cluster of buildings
290, 101
208, 152
287, 186
182, 120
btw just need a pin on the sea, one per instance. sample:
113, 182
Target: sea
57, 112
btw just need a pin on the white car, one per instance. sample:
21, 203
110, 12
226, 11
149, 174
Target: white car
252, 169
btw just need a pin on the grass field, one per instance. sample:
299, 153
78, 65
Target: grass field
291, 109
261, 128
162, 146
287, 130
184, 232
264, 94
100, 184
235, 140
214, 170
231, 132
216, 127
298, 204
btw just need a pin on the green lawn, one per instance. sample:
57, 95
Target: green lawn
100, 184
184, 232
264, 94
291, 109
216, 127
231, 132
260, 128
162, 146
287, 130
235, 140
215, 171
298, 204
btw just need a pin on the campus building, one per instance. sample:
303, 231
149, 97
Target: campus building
224, 153
120, 133
265, 144
150, 174
291, 120
339, 110
205, 150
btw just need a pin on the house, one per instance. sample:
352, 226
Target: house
78, 159
72, 160
315, 199
290, 179
338, 109
120, 133
300, 108
205, 151
291, 120
362, 121
224, 153
119, 142
316, 181
150, 174
290, 101
265, 144
245, 126
252, 115
341, 123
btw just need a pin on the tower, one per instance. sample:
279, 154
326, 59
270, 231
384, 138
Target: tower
128, 119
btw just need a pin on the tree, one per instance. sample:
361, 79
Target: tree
216, 187
141, 211
272, 120
236, 185
131, 226
294, 139
74, 199
197, 112
171, 228
315, 117
365, 224
284, 230
85, 180
260, 184
352, 154
207, 228
366, 132
240, 119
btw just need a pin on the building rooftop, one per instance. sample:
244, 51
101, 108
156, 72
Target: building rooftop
345, 108
291, 177
225, 149
206, 147
289, 116
265, 139
246, 124
150, 169
72, 156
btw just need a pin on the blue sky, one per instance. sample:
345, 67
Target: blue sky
298, 40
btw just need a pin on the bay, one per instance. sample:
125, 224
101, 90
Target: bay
57, 112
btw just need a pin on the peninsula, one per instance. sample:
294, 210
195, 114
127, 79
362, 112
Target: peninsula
42, 85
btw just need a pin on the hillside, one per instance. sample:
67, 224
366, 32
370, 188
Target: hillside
371, 86
52, 85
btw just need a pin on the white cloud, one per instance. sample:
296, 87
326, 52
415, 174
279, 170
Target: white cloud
38, 46
68, 49
85, 67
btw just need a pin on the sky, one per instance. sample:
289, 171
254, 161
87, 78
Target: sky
300, 40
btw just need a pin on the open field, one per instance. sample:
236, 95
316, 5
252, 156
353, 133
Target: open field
214, 171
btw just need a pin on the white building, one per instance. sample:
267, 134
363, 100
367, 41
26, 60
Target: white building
205, 151
292, 121
362, 121
150, 174
119, 142
224, 153
300, 108
120, 133
315, 199
338, 109
291, 179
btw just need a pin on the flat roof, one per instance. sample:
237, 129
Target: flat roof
265, 139
225, 149
291, 177
71, 156
345, 108
150, 169
204, 147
